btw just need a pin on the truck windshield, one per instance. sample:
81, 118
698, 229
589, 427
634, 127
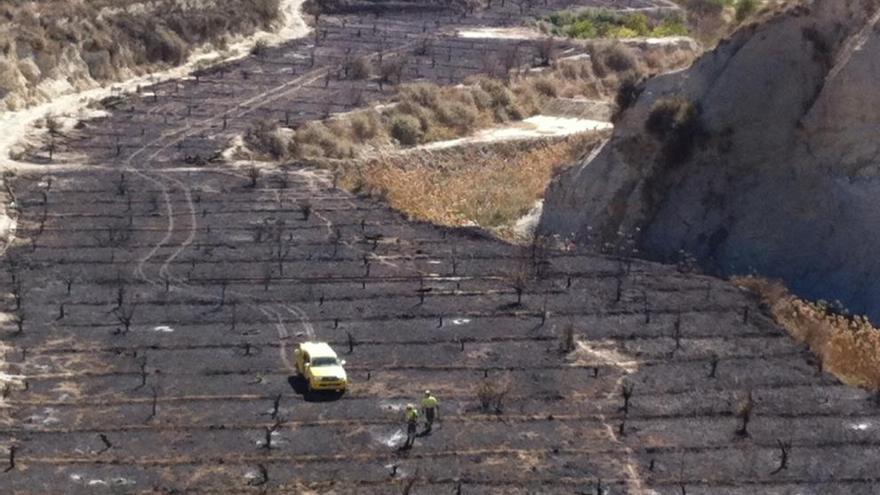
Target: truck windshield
324, 361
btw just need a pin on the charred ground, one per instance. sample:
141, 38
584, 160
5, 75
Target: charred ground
152, 303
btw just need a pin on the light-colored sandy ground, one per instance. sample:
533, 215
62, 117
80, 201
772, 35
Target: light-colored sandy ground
539, 126
514, 33
524, 228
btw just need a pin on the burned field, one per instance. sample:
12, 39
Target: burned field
154, 296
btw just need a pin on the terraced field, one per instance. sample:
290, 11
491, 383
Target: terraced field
154, 296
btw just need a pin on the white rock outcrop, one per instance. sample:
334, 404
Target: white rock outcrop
780, 173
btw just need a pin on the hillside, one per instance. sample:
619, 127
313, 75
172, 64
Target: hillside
152, 294
54, 47
761, 158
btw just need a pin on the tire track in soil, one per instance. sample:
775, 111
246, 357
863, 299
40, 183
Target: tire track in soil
181, 134
178, 135
251, 104
626, 367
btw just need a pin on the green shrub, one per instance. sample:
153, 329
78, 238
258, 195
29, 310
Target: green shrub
602, 23
547, 50
637, 23
527, 101
457, 115
666, 115
670, 27
307, 150
424, 115
163, 45
561, 18
615, 57
675, 121
263, 138
359, 69
391, 70
259, 48
501, 100
266, 10
628, 92
707, 7
365, 125
331, 141
620, 32
406, 129
422, 94
745, 9
546, 86
582, 29
482, 98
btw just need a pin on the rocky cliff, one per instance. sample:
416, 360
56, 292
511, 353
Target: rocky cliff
762, 157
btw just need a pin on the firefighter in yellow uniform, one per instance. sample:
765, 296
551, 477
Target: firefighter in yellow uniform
431, 408
412, 421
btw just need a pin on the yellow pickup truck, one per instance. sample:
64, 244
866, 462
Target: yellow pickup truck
317, 364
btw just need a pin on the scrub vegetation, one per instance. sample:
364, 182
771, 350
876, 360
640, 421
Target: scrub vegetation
846, 345
425, 112
711, 20
438, 186
707, 20
603, 23
105, 40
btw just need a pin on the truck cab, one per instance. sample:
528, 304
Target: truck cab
319, 367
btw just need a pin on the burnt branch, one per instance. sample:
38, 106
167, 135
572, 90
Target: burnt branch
744, 414
784, 449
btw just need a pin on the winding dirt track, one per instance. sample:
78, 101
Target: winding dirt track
159, 301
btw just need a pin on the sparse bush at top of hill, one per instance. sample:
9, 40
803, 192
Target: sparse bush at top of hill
745, 9
669, 116
711, 20
675, 122
603, 23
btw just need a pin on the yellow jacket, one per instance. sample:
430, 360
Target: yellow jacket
412, 416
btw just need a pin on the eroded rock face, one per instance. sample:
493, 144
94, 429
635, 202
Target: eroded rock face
780, 179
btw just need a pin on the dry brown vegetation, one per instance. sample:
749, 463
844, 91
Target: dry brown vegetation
847, 346
426, 112
492, 392
438, 186
108, 39
421, 113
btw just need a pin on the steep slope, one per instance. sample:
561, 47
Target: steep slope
761, 157
57, 47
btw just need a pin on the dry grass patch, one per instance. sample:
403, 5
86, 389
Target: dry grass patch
492, 393
424, 112
848, 346
490, 185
